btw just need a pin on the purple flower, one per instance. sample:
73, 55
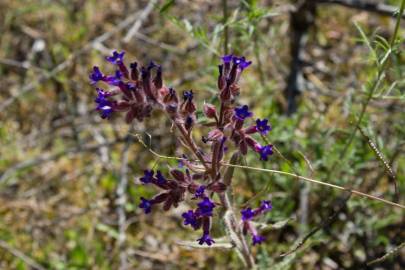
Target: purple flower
226, 59
192, 219
146, 205
101, 95
242, 112
116, 57
241, 62
262, 126
106, 111
151, 65
205, 207
114, 79
96, 75
188, 95
148, 177
205, 239
265, 151
266, 206
247, 214
104, 106
257, 239
160, 178
199, 193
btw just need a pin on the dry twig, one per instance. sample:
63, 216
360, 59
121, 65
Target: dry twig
121, 201
138, 23
29, 261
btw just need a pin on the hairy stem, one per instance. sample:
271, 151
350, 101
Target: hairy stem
234, 231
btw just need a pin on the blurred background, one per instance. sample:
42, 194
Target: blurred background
320, 70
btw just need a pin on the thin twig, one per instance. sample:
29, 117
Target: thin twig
298, 177
356, 192
379, 8
51, 157
121, 201
29, 261
196, 245
138, 23
388, 255
380, 156
23, 65
160, 44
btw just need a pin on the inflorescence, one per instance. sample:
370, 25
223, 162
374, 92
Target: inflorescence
137, 91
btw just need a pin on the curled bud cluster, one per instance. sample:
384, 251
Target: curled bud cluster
137, 91
134, 91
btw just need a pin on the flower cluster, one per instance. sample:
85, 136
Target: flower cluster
248, 214
133, 91
174, 191
137, 91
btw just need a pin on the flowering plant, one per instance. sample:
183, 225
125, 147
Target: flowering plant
136, 92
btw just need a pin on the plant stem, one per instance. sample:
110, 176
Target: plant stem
356, 192
191, 144
298, 177
232, 227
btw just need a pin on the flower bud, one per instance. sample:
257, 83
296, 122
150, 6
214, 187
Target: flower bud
188, 106
209, 110
171, 97
235, 89
123, 69
215, 135
157, 81
124, 88
225, 94
171, 109
221, 78
252, 143
131, 114
189, 123
217, 187
122, 106
146, 83
134, 71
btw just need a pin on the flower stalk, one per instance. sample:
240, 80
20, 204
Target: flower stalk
137, 92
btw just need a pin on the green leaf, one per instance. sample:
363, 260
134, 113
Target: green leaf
78, 256
107, 229
166, 6
365, 39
